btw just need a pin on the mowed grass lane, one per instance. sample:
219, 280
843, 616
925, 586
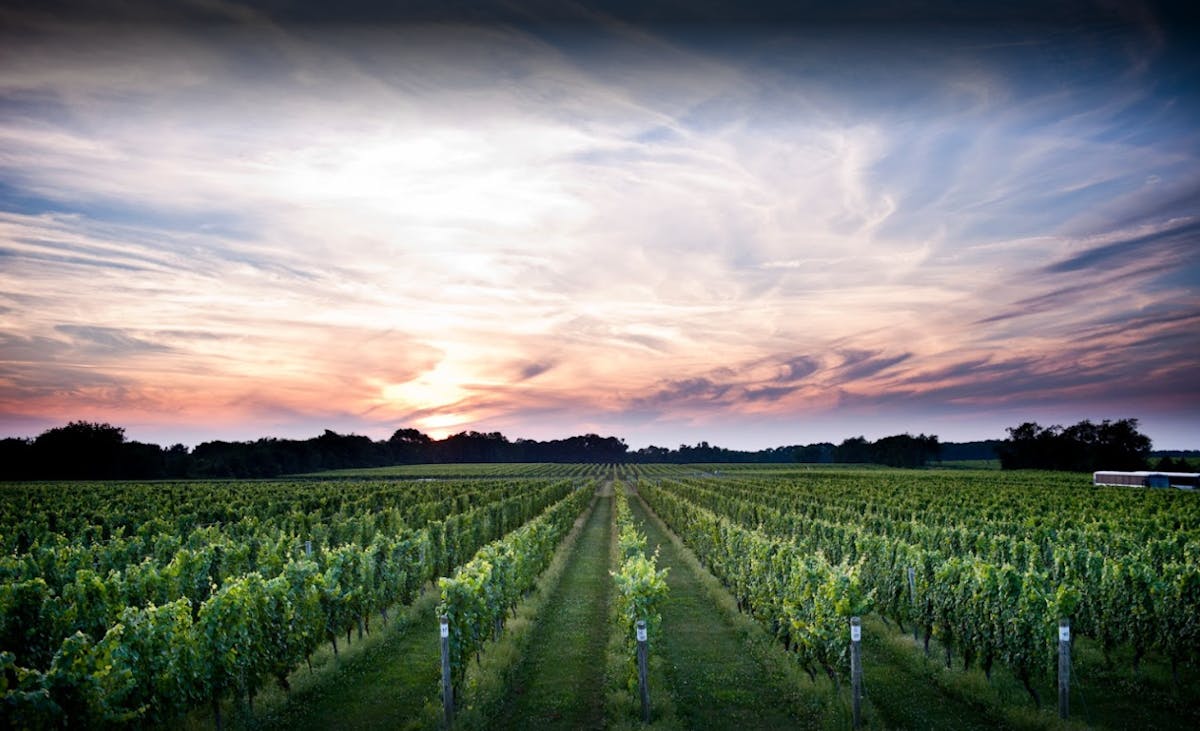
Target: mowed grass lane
715, 682
384, 687
903, 691
560, 682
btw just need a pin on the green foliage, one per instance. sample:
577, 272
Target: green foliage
482, 591
1177, 595
131, 604
641, 588
804, 599
641, 585
996, 560
157, 648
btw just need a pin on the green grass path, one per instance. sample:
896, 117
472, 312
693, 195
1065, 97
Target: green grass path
903, 692
385, 687
715, 682
560, 682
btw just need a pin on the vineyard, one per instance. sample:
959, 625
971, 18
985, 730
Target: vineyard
144, 604
987, 564
136, 602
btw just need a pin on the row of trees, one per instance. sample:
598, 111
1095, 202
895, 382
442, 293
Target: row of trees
1082, 447
83, 450
901, 450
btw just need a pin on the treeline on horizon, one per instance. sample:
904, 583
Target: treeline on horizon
87, 451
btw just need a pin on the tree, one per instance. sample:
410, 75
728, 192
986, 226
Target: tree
1029, 446
854, 449
822, 452
409, 446
16, 459
79, 451
178, 461
905, 450
1121, 446
140, 461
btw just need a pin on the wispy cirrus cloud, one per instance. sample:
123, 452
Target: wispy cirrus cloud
109, 340
605, 225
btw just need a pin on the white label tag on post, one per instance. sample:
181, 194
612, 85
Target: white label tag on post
855, 633
445, 630
1064, 634
641, 634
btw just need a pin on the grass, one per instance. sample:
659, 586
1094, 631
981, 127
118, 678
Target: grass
715, 678
623, 703
488, 682
968, 464
558, 664
385, 685
1112, 695
906, 689
559, 684
391, 678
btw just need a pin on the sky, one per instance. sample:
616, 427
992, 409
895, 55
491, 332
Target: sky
752, 225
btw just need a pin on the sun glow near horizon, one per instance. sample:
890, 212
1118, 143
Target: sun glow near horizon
650, 234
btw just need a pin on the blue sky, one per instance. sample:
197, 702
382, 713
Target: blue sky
220, 220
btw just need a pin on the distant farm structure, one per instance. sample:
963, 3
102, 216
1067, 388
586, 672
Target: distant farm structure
1144, 478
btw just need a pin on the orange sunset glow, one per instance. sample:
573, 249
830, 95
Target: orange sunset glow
753, 236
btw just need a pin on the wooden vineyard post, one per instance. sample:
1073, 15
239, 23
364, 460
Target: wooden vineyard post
643, 684
912, 593
856, 669
1064, 667
447, 688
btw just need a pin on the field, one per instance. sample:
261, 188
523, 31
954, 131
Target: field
312, 602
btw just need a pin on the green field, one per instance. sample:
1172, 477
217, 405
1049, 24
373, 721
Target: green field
312, 602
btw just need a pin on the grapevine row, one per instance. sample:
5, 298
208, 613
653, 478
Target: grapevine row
986, 606
641, 585
805, 600
482, 591
216, 619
